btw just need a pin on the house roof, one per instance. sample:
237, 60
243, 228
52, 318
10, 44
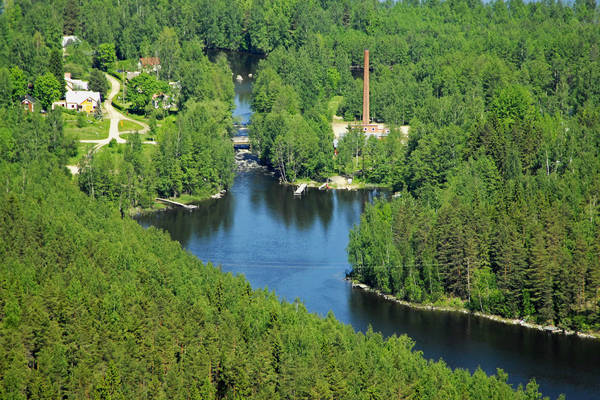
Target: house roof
76, 83
79, 96
27, 98
149, 61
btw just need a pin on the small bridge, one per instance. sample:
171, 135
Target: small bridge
240, 141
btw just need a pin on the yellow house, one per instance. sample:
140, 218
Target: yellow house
88, 106
81, 100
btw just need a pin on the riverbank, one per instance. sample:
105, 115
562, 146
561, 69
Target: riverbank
186, 199
520, 322
340, 183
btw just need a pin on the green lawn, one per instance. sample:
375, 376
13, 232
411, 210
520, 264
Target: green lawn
125, 126
92, 130
126, 111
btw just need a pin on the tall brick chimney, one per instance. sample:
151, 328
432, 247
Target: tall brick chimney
366, 118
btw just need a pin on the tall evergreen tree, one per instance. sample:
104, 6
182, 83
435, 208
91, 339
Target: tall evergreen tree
71, 17
55, 65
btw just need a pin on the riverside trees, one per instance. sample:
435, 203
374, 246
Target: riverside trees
508, 232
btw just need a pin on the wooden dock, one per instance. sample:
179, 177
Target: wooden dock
176, 204
300, 189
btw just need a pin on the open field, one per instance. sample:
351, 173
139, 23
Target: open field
93, 130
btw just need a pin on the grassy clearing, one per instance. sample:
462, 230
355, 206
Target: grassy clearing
334, 104
82, 149
93, 130
140, 118
127, 126
190, 198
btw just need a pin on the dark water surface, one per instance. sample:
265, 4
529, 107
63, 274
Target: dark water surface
244, 65
297, 247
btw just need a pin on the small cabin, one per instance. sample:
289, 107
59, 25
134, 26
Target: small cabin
29, 103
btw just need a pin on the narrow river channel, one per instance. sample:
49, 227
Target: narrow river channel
297, 247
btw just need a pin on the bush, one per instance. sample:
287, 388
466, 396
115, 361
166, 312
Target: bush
118, 105
81, 120
116, 75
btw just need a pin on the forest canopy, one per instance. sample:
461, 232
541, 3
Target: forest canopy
498, 184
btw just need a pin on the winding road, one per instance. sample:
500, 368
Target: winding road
115, 117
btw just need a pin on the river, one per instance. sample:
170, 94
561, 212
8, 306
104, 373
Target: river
297, 247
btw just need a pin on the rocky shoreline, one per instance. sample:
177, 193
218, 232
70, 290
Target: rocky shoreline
520, 322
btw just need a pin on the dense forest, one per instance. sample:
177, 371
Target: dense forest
498, 184
94, 306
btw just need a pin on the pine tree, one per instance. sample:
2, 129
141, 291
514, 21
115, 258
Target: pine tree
55, 65
542, 279
450, 254
98, 82
71, 17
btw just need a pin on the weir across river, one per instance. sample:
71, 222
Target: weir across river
241, 139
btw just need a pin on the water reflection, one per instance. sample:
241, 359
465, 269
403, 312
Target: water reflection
243, 65
301, 213
268, 199
184, 225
